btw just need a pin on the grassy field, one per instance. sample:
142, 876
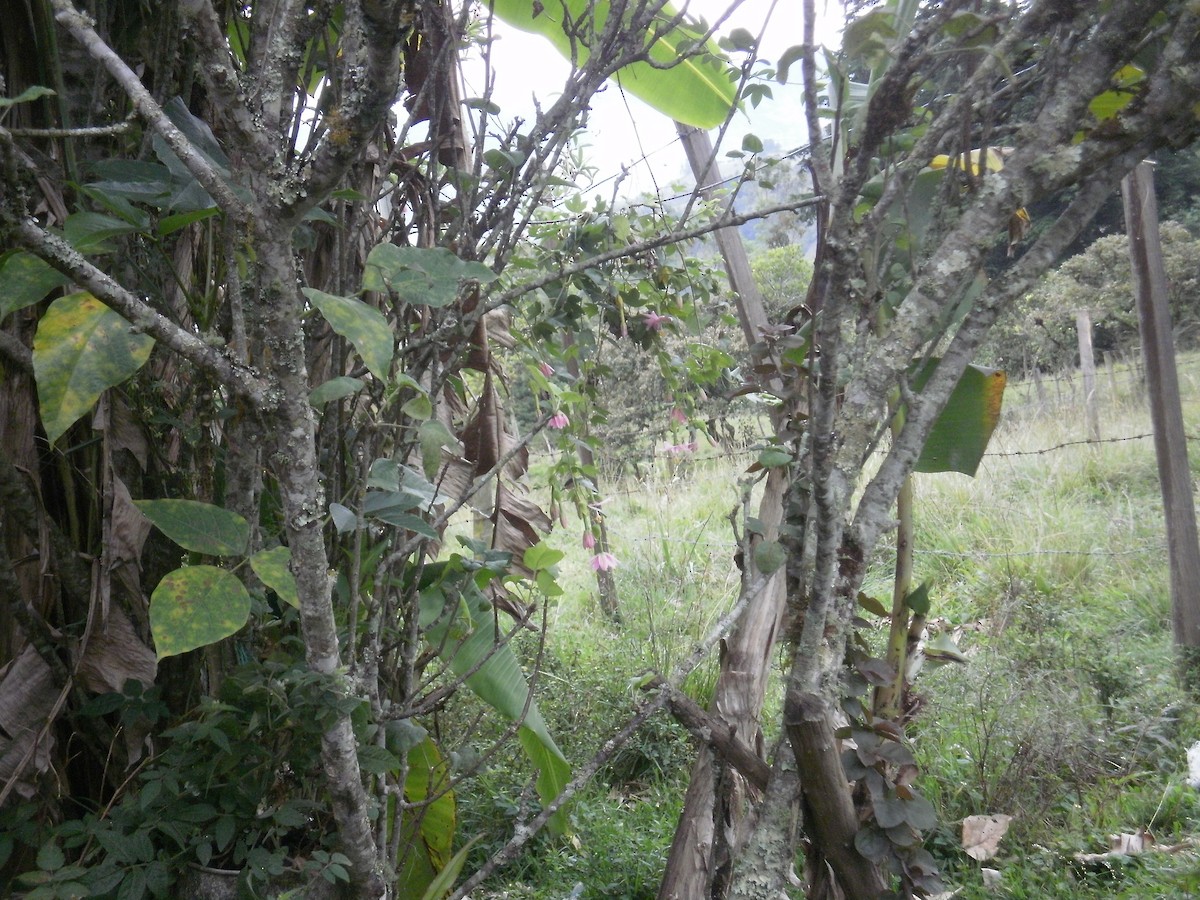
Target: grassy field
1050, 569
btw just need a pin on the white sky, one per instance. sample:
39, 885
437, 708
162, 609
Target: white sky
622, 128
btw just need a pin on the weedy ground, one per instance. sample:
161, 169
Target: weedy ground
1049, 567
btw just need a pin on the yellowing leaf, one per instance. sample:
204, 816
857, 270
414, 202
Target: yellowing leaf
196, 606
697, 90
362, 325
1105, 106
961, 433
81, 349
273, 567
994, 160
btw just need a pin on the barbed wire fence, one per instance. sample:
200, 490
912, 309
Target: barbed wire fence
652, 463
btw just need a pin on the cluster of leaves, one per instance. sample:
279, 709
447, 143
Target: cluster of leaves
230, 789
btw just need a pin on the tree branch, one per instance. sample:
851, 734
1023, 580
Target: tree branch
210, 179
673, 237
237, 378
221, 78
369, 87
714, 732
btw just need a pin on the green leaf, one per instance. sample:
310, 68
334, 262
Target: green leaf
918, 600
433, 436
274, 568
1106, 106
769, 556
171, 224
944, 649
199, 527
343, 518
421, 276
402, 735
919, 812
335, 389
384, 505
772, 457
427, 854
50, 857
540, 556
393, 507
548, 584
496, 677
376, 760
196, 606
751, 143
87, 231
362, 325
419, 407
787, 59
961, 433
441, 885
870, 604
34, 92
81, 349
697, 91
24, 280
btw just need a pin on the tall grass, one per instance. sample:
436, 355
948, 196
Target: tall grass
1049, 565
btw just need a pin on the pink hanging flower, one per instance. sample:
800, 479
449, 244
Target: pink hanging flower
589, 540
604, 562
546, 369
654, 321
559, 420
678, 415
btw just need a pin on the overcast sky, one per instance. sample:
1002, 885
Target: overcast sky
622, 128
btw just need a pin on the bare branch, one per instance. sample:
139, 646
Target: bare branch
673, 237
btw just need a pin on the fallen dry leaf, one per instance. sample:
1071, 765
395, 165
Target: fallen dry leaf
1127, 845
981, 835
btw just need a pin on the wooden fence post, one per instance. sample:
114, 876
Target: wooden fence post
1087, 365
1166, 414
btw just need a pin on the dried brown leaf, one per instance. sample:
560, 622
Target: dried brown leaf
27, 699
981, 835
114, 654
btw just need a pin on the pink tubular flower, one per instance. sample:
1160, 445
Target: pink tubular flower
559, 420
679, 416
589, 540
604, 562
654, 321
546, 369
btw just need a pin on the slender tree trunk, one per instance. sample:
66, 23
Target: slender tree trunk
293, 456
